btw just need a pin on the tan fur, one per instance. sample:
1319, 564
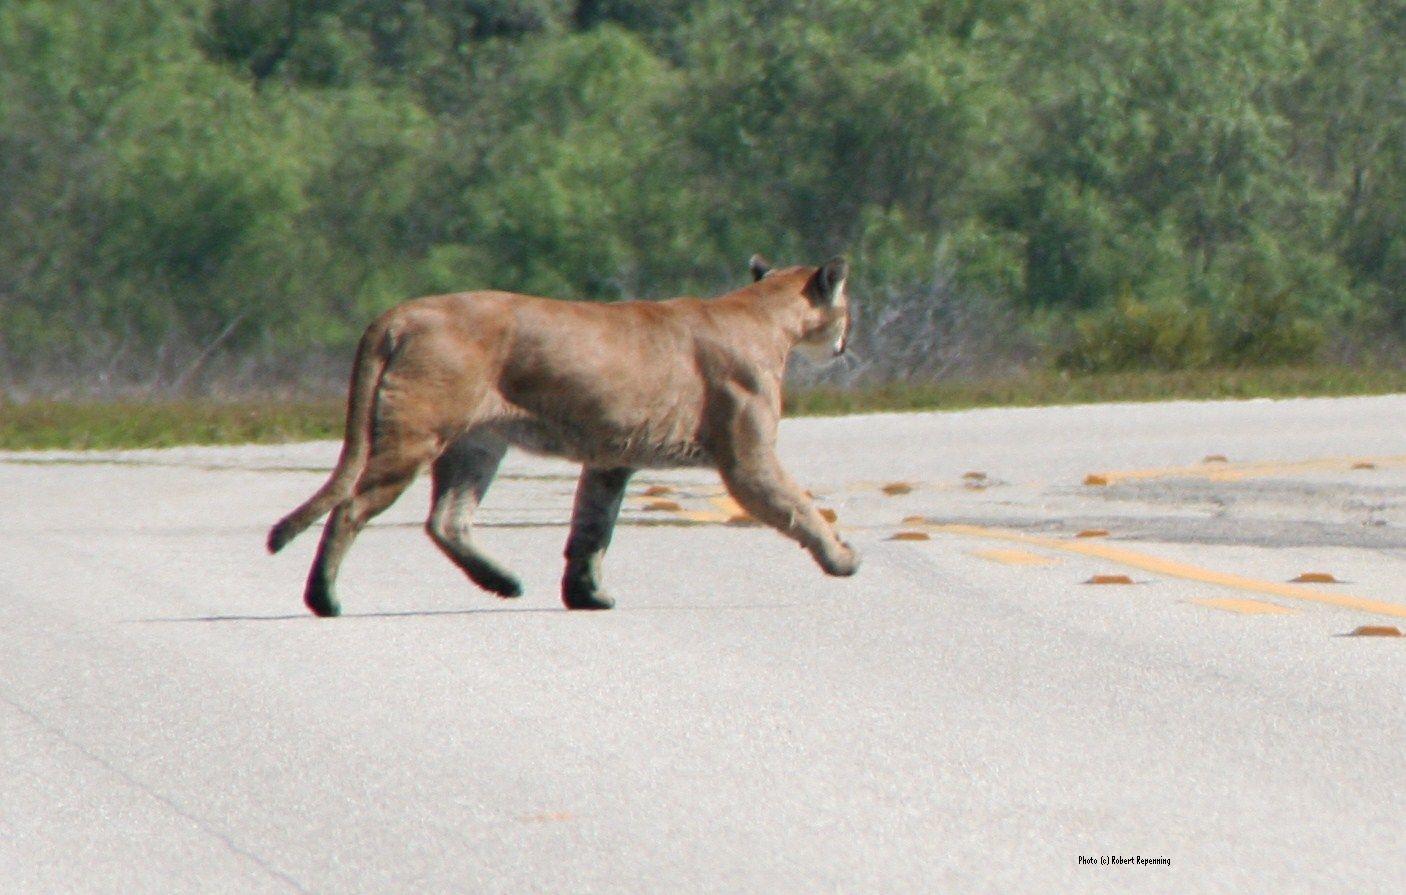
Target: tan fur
452, 380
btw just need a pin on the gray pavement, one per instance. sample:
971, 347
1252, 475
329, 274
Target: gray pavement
965, 715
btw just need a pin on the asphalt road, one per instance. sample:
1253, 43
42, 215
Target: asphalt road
964, 715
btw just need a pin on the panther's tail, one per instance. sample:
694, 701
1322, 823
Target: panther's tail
371, 358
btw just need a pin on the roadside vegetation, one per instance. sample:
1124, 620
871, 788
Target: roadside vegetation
206, 200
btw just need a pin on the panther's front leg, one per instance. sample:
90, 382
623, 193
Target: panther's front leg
598, 497
754, 477
765, 491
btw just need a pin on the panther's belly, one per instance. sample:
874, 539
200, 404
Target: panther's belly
638, 449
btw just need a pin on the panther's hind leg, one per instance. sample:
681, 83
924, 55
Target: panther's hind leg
598, 498
387, 474
462, 475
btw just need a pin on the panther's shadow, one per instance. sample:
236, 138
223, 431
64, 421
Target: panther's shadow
432, 613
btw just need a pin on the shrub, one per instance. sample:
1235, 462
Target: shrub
1134, 334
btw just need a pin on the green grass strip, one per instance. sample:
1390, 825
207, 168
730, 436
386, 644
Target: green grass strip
133, 424
1039, 389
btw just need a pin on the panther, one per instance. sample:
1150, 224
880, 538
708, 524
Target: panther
451, 381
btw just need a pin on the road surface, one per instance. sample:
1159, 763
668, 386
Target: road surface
967, 714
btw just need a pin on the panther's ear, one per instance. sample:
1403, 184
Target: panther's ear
828, 283
759, 266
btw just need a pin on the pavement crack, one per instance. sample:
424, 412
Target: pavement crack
170, 804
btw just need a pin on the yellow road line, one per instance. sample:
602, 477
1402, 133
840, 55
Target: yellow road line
1235, 471
727, 505
1015, 557
701, 516
1173, 569
728, 511
1244, 607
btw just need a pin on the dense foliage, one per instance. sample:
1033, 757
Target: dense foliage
1213, 181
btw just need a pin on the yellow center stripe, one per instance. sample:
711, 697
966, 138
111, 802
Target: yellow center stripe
1174, 569
1234, 471
728, 506
1245, 607
1015, 557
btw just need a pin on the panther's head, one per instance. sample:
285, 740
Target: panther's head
827, 326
